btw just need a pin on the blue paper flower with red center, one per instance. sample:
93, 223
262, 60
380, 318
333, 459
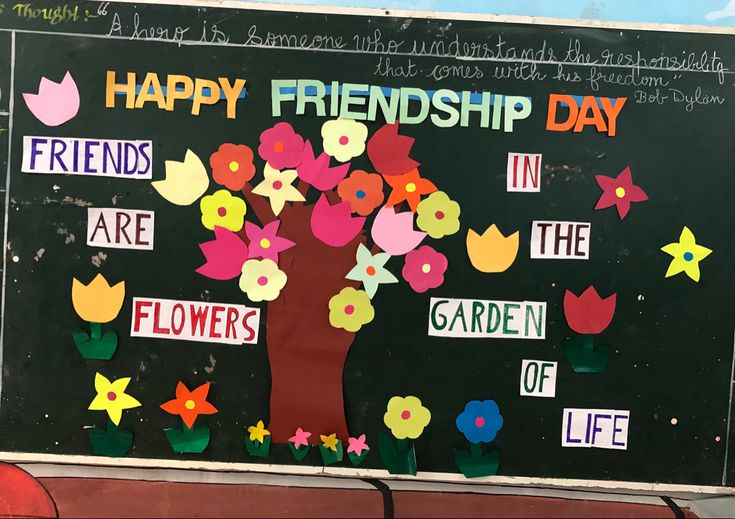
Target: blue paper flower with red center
480, 421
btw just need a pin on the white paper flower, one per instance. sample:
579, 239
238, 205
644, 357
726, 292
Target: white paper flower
262, 280
344, 139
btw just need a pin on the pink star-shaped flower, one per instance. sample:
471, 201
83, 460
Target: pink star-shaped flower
619, 192
300, 438
357, 445
264, 243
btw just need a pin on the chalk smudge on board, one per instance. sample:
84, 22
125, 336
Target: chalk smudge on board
98, 258
39, 254
70, 238
212, 363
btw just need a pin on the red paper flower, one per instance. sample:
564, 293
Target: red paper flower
363, 191
232, 166
409, 187
619, 192
589, 313
389, 151
189, 404
424, 268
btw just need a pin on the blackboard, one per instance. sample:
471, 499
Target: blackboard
671, 338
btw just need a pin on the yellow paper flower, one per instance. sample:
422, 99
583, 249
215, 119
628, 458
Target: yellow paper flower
276, 186
97, 302
111, 397
258, 432
438, 215
221, 209
406, 417
350, 309
687, 255
491, 251
344, 139
330, 442
262, 280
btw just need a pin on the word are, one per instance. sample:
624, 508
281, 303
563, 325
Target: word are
524, 172
79, 156
120, 228
487, 319
194, 321
538, 378
406, 105
177, 87
587, 113
560, 240
600, 428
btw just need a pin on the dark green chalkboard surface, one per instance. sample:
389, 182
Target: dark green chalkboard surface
671, 338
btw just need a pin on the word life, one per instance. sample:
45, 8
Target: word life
524, 172
587, 113
560, 240
600, 428
487, 319
538, 378
120, 228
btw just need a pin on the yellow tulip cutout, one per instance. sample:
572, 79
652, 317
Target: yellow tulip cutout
97, 303
185, 181
491, 252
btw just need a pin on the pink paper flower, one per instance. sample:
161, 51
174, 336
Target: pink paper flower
393, 232
281, 146
334, 224
424, 268
357, 445
225, 255
300, 438
316, 171
264, 243
619, 192
55, 103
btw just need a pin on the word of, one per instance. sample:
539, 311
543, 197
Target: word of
560, 240
538, 378
524, 172
80, 156
586, 114
487, 319
53, 15
600, 428
406, 105
178, 87
120, 228
194, 321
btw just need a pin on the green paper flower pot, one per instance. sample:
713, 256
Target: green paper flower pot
186, 440
355, 459
329, 456
398, 457
95, 345
474, 463
111, 441
299, 453
584, 357
256, 448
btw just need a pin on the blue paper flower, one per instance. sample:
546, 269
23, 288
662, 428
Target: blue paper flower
480, 421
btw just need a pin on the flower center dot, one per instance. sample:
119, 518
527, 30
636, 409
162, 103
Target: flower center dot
222, 211
620, 192
265, 243
111, 396
360, 194
425, 268
349, 309
277, 184
688, 256
234, 166
344, 140
439, 215
278, 147
262, 281
406, 414
189, 404
479, 421
370, 270
410, 187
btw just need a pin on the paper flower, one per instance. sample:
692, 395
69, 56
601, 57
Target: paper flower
370, 270
185, 181
334, 224
491, 251
276, 186
55, 103
264, 242
687, 255
344, 139
316, 171
330, 442
221, 209
111, 397
388, 151
393, 232
232, 166
97, 302
350, 309
363, 191
438, 215
480, 421
357, 445
258, 432
189, 404
409, 187
424, 268
262, 280
281, 146
225, 255
619, 192
300, 438
588, 313
406, 417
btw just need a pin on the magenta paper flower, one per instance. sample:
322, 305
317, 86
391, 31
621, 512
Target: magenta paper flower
264, 243
619, 192
281, 146
424, 268
300, 438
334, 224
357, 445
55, 103
394, 233
316, 171
225, 255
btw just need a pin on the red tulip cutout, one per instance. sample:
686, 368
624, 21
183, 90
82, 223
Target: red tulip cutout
588, 313
225, 255
334, 224
389, 151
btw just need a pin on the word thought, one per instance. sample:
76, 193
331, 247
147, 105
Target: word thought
538, 378
560, 240
600, 428
120, 228
194, 321
524, 172
586, 114
79, 156
488, 319
178, 87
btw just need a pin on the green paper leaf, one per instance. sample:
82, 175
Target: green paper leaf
475, 463
584, 357
398, 457
355, 459
255, 448
188, 440
329, 456
299, 453
110, 442
102, 348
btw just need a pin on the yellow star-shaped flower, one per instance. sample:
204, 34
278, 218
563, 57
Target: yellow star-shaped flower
330, 442
277, 187
111, 397
258, 432
687, 255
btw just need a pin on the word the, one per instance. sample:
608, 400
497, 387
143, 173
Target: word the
538, 378
586, 114
178, 87
524, 172
194, 321
488, 319
600, 428
560, 240
52, 15
120, 228
79, 156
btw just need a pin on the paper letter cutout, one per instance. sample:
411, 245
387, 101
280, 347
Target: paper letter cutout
524, 172
491, 251
55, 103
538, 378
599, 428
185, 181
120, 228
468, 318
560, 240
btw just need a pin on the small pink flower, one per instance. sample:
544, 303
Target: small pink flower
424, 268
357, 445
264, 243
281, 146
300, 438
394, 233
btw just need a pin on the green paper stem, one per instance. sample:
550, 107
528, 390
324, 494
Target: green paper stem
95, 345
477, 461
355, 459
476, 450
329, 456
398, 457
588, 342
96, 329
299, 453
110, 441
258, 449
583, 356
185, 440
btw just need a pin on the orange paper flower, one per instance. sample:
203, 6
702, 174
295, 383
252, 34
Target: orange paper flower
409, 187
232, 166
189, 404
363, 191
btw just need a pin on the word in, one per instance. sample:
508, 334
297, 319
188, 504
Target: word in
524, 172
